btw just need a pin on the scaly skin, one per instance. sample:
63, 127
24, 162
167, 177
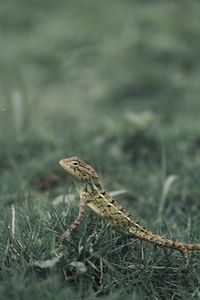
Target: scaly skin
101, 203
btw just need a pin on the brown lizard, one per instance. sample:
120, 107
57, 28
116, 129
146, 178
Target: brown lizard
94, 196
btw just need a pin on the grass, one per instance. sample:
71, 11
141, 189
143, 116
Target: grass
116, 83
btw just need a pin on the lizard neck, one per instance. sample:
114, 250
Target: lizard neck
95, 186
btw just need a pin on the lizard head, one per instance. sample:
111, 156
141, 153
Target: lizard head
78, 168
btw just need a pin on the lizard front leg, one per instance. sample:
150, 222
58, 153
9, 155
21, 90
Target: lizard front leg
83, 202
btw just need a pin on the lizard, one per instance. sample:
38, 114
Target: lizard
97, 198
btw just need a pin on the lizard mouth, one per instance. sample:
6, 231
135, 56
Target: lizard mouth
63, 164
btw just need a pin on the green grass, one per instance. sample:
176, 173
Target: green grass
116, 83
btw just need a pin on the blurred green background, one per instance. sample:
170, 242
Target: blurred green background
116, 83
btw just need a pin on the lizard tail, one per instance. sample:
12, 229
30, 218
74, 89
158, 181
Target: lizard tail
182, 247
191, 247
158, 240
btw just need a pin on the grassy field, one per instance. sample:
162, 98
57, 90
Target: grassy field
116, 83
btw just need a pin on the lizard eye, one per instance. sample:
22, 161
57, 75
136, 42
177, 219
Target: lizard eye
75, 163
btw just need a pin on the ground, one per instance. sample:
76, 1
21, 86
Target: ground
116, 83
